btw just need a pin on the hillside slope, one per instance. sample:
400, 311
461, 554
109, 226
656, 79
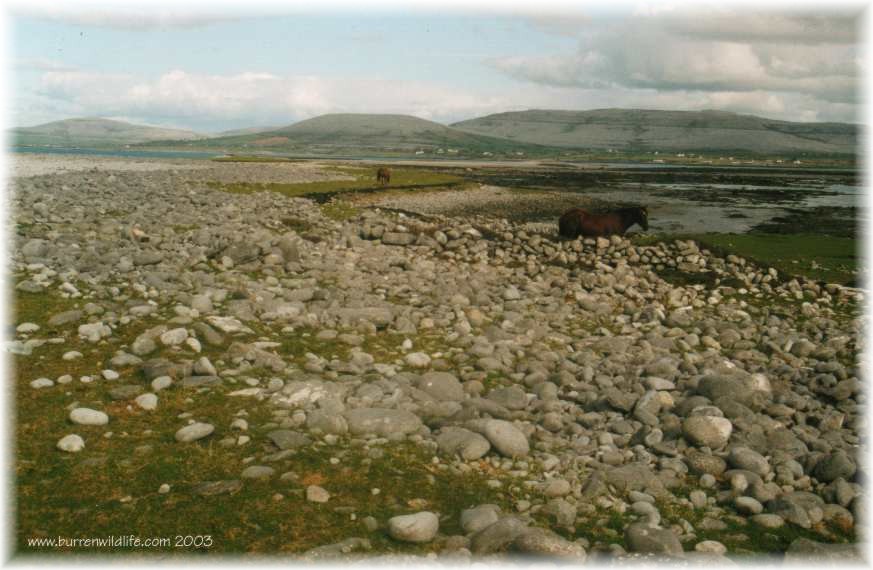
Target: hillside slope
243, 131
356, 133
633, 129
90, 132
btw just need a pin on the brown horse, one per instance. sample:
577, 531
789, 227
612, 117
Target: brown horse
383, 176
578, 222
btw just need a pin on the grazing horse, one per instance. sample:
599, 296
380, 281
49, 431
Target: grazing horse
383, 176
578, 222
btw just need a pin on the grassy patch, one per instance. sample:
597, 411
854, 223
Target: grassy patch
75, 501
824, 258
385, 347
339, 210
111, 487
254, 158
742, 536
606, 526
37, 307
494, 380
364, 179
297, 224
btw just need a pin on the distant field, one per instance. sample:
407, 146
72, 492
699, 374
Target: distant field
364, 179
256, 158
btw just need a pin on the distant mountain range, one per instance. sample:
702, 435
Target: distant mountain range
347, 133
95, 132
522, 133
691, 131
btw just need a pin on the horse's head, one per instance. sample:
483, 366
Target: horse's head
643, 219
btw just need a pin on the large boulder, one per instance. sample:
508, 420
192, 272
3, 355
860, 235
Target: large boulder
442, 386
511, 397
751, 390
641, 537
710, 431
478, 518
497, 537
804, 550
836, 465
463, 443
418, 527
541, 542
325, 422
507, 439
382, 421
288, 439
744, 458
634, 477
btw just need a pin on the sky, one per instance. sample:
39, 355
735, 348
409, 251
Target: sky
213, 66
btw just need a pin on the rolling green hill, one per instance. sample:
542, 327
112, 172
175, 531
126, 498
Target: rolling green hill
533, 133
690, 131
95, 133
357, 134
244, 131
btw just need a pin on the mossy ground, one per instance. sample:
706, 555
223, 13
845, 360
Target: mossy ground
339, 210
57, 495
741, 536
744, 537
251, 520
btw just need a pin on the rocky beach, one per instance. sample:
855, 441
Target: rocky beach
410, 383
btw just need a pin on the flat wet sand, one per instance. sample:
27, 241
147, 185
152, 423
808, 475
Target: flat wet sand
679, 201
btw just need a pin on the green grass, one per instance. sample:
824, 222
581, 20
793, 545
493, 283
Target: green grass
742, 536
364, 179
494, 380
58, 496
835, 257
339, 210
297, 224
824, 258
76, 501
384, 346
255, 158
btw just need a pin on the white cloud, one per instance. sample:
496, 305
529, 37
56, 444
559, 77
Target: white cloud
255, 98
794, 67
215, 102
719, 54
768, 27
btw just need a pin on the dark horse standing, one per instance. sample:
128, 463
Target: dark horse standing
383, 176
578, 222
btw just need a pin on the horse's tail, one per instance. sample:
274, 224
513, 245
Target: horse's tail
568, 225
564, 227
